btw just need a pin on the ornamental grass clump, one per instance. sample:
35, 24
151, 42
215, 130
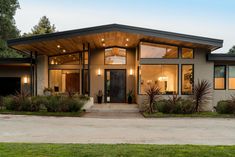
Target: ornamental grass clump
202, 94
153, 92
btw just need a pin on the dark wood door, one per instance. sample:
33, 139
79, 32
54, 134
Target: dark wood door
73, 82
115, 86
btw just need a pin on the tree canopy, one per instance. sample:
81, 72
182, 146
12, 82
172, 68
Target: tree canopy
43, 27
232, 50
8, 28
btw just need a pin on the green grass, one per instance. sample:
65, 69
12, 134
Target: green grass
199, 115
120, 150
44, 113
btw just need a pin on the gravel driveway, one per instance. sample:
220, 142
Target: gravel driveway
38, 129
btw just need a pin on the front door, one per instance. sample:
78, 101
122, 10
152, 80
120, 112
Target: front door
115, 86
72, 82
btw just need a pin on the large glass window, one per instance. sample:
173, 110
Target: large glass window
150, 50
163, 76
219, 76
65, 59
187, 79
64, 80
187, 53
115, 56
231, 77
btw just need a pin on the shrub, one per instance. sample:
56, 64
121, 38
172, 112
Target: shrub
163, 106
38, 102
63, 104
225, 107
8, 102
84, 97
184, 106
53, 103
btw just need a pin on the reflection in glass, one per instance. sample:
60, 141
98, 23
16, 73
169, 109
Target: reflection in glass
64, 80
115, 56
187, 53
149, 50
187, 79
163, 76
231, 77
220, 76
65, 59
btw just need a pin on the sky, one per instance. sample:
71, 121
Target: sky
208, 18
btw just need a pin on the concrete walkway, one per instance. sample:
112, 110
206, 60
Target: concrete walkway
95, 130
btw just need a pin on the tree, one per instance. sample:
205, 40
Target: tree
232, 50
8, 28
43, 27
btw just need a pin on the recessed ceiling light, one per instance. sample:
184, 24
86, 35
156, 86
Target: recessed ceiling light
70, 56
127, 39
58, 46
64, 50
103, 44
126, 44
102, 39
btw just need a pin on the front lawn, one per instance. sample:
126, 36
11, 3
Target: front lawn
197, 114
44, 113
119, 150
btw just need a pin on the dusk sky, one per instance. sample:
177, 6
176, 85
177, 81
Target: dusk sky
209, 18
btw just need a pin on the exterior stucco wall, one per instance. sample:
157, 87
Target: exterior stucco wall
42, 74
97, 62
17, 71
202, 70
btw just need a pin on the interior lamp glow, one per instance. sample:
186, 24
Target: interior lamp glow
26, 80
99, 72
131, 72
163, 78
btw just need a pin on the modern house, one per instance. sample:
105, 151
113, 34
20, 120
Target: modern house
117, 58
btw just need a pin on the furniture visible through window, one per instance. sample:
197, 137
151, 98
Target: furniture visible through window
163, 76
220, 77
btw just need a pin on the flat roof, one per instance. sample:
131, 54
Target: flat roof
221, 57
113, 35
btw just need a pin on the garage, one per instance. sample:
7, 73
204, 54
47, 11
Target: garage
9, 85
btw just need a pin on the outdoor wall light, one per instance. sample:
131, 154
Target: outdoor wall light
26, 80
131, 72
99, 72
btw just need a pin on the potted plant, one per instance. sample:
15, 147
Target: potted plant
100, 96
130, 96
47, 91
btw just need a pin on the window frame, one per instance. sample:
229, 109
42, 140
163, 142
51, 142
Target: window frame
182, 79
59, 55
225, 77
181, 55
154, 43
229, 77
138, 84
112, 48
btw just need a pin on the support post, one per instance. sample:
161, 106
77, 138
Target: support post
31, 73
89, 62
36, 73
83, 67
